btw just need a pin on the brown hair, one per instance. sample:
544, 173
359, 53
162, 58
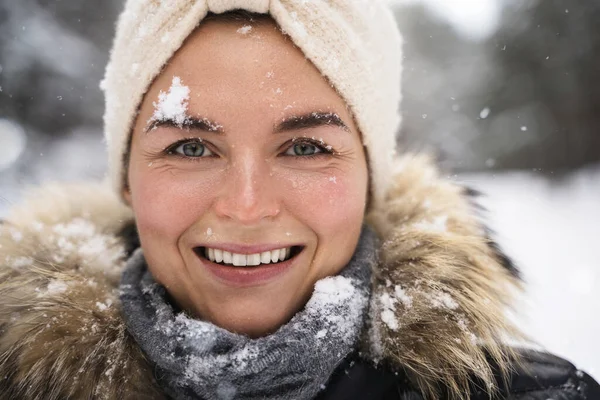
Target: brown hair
237, 15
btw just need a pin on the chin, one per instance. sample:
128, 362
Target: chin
251, 317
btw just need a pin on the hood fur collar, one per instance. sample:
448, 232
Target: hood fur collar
440, 292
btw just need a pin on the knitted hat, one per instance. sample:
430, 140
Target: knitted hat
355, 44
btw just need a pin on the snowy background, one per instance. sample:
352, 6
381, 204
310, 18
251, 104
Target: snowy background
503, 92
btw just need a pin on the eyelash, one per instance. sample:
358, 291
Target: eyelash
170, 150
325, 150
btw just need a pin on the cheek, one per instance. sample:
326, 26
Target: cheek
167, 202
330, 202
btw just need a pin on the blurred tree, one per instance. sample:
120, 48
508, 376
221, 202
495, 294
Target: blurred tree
549, 60
52, 57
443, 76
523, 98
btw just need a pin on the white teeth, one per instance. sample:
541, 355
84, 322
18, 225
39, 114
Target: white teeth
265, 257
275, 256
242, 260
239, 260
253, 260
218, 255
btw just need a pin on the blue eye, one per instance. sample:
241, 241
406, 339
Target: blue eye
303, 149
193, 149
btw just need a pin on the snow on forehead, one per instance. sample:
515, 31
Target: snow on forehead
244, 30
172, 105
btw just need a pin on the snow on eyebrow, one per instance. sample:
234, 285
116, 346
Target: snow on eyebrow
172, 105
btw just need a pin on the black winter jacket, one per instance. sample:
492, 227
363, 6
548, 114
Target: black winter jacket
542, 377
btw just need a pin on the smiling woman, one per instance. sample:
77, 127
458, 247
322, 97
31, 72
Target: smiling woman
263, 155
262, 240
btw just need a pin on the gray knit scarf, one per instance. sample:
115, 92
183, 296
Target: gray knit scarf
194, 359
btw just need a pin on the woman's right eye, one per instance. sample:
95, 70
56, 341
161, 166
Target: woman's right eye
192, 149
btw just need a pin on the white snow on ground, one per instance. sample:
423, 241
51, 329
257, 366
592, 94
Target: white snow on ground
551, 228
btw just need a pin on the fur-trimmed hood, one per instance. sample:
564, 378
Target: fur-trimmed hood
439, 292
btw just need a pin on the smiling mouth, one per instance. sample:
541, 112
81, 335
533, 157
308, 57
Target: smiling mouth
230, 259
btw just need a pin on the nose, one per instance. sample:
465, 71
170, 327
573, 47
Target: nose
248, 196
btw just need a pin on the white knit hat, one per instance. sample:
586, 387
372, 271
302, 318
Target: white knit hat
354, 43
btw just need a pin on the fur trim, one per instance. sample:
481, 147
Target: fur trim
441, 288
61, 333
437, 310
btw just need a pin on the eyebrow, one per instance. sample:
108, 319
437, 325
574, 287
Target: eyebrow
200, 124
311, 120
293, 123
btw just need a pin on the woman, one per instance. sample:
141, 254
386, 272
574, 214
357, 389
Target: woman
251, 152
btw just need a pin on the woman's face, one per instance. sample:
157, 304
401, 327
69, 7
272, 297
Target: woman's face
268, 164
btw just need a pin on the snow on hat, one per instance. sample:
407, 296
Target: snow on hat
355, 44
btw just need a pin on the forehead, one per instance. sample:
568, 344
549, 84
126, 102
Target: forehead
242, 58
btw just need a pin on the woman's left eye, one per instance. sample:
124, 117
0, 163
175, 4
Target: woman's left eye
303, 149
192, 149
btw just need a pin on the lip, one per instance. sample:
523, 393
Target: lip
242, 277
